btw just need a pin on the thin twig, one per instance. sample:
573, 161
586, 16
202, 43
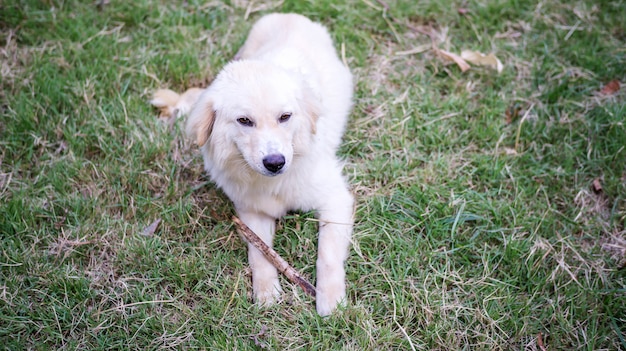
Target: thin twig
274, 258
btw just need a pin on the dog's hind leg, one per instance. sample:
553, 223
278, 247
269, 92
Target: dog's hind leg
173, 105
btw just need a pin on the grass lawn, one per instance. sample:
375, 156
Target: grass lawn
491, 206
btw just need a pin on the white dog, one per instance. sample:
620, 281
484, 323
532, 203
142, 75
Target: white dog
269, 127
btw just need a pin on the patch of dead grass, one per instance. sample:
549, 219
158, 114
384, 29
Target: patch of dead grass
614, 244
15, 61
593, 208
64, 245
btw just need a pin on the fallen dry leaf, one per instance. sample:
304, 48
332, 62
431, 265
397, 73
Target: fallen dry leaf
596, 186
540, 342
477, 58
610, 88
464, 66
149, 230
512, 113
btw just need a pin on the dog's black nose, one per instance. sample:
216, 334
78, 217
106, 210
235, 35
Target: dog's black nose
274, 163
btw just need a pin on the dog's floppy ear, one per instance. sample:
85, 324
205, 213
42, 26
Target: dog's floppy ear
201, 120
313, 115
310, 104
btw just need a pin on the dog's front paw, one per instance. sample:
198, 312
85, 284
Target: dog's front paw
329, 296
267, 292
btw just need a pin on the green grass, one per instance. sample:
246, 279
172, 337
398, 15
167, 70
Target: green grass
472, 233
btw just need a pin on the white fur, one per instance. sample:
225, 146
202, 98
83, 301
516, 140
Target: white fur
287, 65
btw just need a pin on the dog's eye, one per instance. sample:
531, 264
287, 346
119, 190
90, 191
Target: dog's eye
284, 117
245, 121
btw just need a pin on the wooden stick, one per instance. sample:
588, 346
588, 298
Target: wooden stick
274, 258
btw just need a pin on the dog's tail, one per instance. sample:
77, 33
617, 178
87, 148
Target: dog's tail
171, 104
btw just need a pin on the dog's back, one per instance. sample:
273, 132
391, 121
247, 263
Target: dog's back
279, 30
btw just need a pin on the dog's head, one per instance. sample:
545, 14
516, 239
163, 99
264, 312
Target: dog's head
255, 112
